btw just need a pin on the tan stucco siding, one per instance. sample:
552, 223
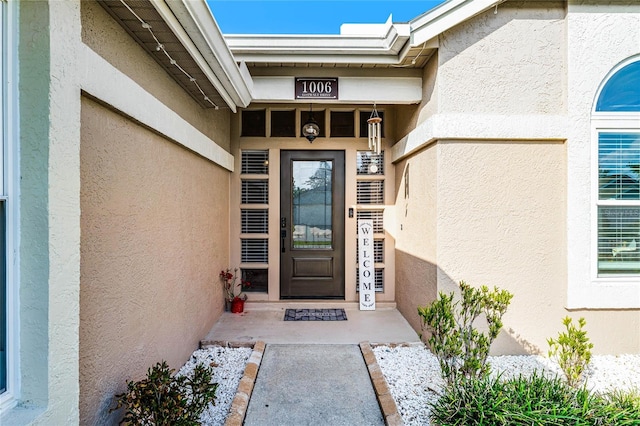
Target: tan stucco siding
489, 213
416, 232
103, 35
509, 62
501, 222
409, 116
154, 226
497, 217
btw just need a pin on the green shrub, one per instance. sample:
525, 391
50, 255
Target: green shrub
572, 350
460, 347
536, 400
164, 399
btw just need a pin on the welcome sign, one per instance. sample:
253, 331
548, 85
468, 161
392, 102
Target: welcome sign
366, 268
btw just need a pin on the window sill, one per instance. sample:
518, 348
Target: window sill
606, 293
20, 415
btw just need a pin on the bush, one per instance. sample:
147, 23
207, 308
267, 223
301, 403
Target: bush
571, 350
536, 400
460, 347
164, 399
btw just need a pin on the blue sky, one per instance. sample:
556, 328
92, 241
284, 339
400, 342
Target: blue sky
310, 16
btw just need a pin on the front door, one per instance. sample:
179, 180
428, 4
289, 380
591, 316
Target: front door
312, 224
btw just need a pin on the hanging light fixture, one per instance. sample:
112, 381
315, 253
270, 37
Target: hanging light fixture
374, 130
310, 129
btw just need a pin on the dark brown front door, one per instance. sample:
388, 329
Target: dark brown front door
312, 224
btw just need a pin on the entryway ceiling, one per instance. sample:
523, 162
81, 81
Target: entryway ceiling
175, 49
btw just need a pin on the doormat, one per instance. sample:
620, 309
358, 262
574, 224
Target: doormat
315, 315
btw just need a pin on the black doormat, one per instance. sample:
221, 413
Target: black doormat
315, 315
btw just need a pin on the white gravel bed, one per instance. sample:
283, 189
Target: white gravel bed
229, 365
414, 379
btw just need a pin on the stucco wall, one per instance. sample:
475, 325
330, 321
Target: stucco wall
107, 38
489, 213
410, 116
509, 62
155, 234
501, 222
48, 110
34, 250
416, 232
502, 215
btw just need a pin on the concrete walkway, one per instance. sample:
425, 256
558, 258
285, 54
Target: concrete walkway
312, 372
313, 385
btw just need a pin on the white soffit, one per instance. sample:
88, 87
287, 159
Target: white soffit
396, 90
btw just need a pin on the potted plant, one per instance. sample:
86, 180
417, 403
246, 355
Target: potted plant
233, 302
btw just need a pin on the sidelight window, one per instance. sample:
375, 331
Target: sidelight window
254, 218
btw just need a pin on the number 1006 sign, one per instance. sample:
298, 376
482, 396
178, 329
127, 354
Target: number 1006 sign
316, 88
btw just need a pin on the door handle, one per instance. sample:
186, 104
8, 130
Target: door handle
283, 236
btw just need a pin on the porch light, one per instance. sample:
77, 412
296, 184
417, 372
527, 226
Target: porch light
310, 129
374, 130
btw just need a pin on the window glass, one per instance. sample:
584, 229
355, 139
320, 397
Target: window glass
255, 191
4, 338
370, 163
3, 303
255, 162
312, 204
254, 221
618, 240
619, 203
622, 91
619, 166
254, 123
283, 123
259, 279
342, 124
254, 250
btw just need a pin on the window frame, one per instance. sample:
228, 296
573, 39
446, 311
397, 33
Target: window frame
608, 124
9, 193
614, 285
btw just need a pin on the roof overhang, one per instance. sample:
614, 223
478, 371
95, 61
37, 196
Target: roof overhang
445, 16
205, 40
376, 43
187, 31
388, 44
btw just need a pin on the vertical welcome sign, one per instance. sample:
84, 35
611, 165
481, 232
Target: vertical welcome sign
366, 266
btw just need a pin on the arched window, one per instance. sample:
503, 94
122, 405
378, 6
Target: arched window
616, 127
622, 91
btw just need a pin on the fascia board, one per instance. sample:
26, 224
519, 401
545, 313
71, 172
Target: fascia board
193, 24
444, 17
340, 58
319, 48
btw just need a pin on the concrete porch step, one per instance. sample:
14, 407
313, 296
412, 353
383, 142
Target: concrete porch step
266, 323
